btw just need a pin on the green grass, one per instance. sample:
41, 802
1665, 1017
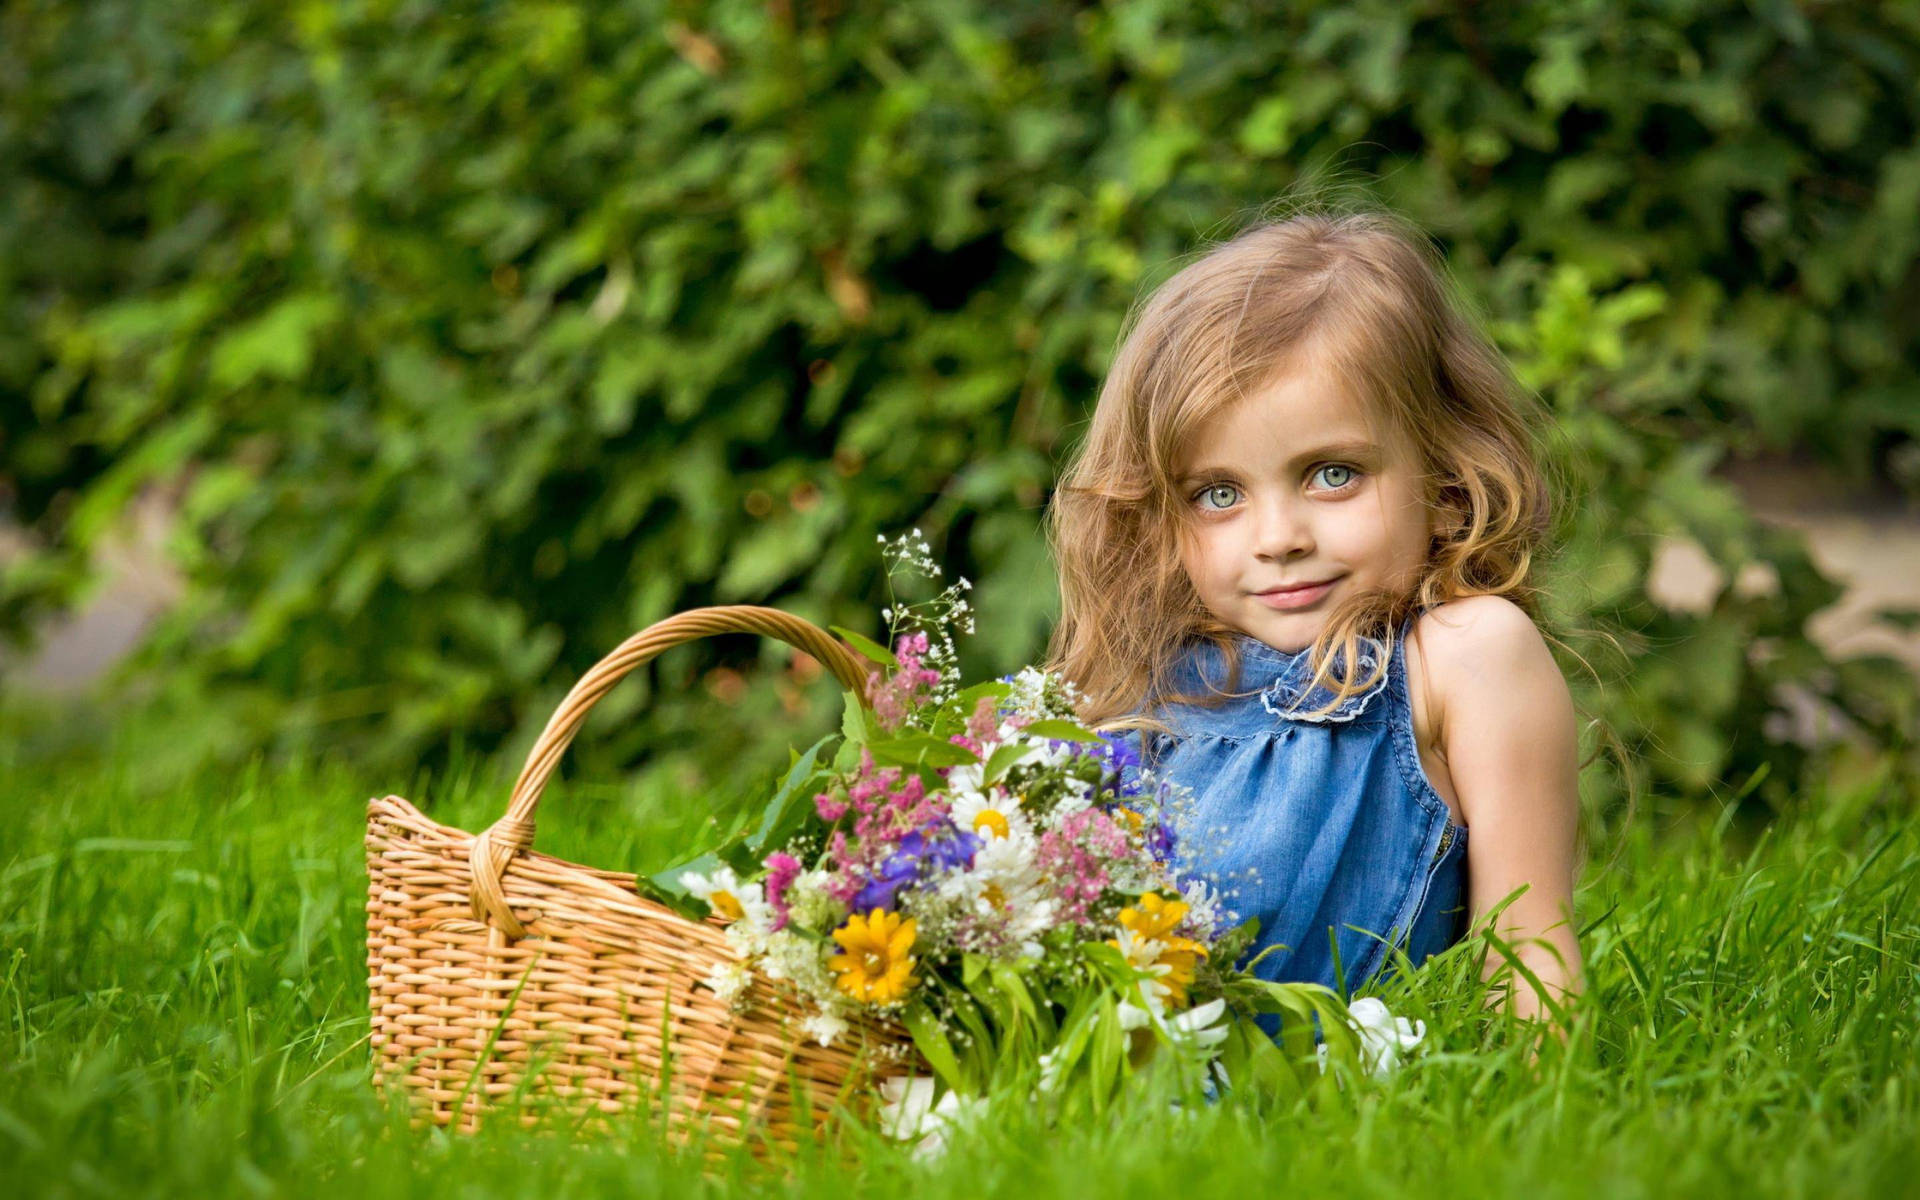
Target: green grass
183, 995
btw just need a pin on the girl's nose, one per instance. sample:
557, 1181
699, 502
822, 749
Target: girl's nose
1283, 531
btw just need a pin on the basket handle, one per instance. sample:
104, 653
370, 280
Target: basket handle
496, 845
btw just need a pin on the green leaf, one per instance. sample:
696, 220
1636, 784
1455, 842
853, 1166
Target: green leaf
1065, 731
277, 344
971, 967
866, 647
1265, 129
917, 749
1108, 960
767, 557
677, 899
969, 699
1005, 758
669, 879
848, 755
1234, 942
932, 1042
1077, 1029
791, 803
854, 723
1008, 980
1256, 1064
989, 997
1108, 1052
982, 1048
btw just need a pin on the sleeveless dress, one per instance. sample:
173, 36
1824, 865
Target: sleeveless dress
1325, 827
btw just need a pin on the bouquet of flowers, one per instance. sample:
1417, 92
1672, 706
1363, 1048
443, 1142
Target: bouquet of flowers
1003, 882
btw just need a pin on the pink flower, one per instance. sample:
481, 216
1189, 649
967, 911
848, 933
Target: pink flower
782, 870
1075, 858
985, 721
894, 697
883, 696
829, 806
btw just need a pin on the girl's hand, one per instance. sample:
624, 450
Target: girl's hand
1502, 719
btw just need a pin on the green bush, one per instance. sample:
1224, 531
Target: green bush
474, 338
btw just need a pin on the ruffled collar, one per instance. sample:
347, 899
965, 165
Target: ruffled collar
1280, 681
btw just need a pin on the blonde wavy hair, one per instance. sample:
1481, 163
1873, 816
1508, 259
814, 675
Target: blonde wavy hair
1362, 294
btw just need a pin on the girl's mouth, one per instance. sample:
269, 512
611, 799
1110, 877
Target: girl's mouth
1303, 596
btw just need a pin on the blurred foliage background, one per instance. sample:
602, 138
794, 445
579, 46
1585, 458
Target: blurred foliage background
471, 338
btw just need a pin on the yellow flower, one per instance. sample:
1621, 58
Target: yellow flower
876, 967
1179, 959
1151, 943
1155, 918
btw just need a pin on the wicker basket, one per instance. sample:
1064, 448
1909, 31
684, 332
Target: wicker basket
501, 975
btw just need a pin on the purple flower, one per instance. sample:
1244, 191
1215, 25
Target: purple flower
1162, 840
1117, 751
879, 891
936, 846
943, 845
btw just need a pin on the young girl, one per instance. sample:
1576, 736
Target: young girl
1295, 551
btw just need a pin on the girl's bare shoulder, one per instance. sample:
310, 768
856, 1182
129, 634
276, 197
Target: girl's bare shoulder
1483, 630
1482, 655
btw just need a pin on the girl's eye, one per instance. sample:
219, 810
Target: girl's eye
1333, 476
1217, 496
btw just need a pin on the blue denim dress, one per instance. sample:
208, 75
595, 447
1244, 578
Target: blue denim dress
1325, 826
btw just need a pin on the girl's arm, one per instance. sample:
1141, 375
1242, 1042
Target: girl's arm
1504, 722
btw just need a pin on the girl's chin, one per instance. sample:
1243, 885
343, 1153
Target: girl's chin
1286, 636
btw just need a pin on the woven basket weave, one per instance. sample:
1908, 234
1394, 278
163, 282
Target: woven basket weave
502, 975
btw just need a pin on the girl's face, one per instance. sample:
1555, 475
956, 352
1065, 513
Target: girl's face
1293, 502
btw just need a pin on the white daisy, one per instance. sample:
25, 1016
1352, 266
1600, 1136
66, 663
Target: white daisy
743, 905
989, 815
966, 777
1007, 893
720, 890
1008, 862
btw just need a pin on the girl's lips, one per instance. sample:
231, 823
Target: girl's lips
1299, 597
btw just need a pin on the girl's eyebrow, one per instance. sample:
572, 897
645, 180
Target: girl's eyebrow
1363, 450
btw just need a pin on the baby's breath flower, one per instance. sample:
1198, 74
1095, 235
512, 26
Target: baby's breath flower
729, 981
824, 1026
811, 905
